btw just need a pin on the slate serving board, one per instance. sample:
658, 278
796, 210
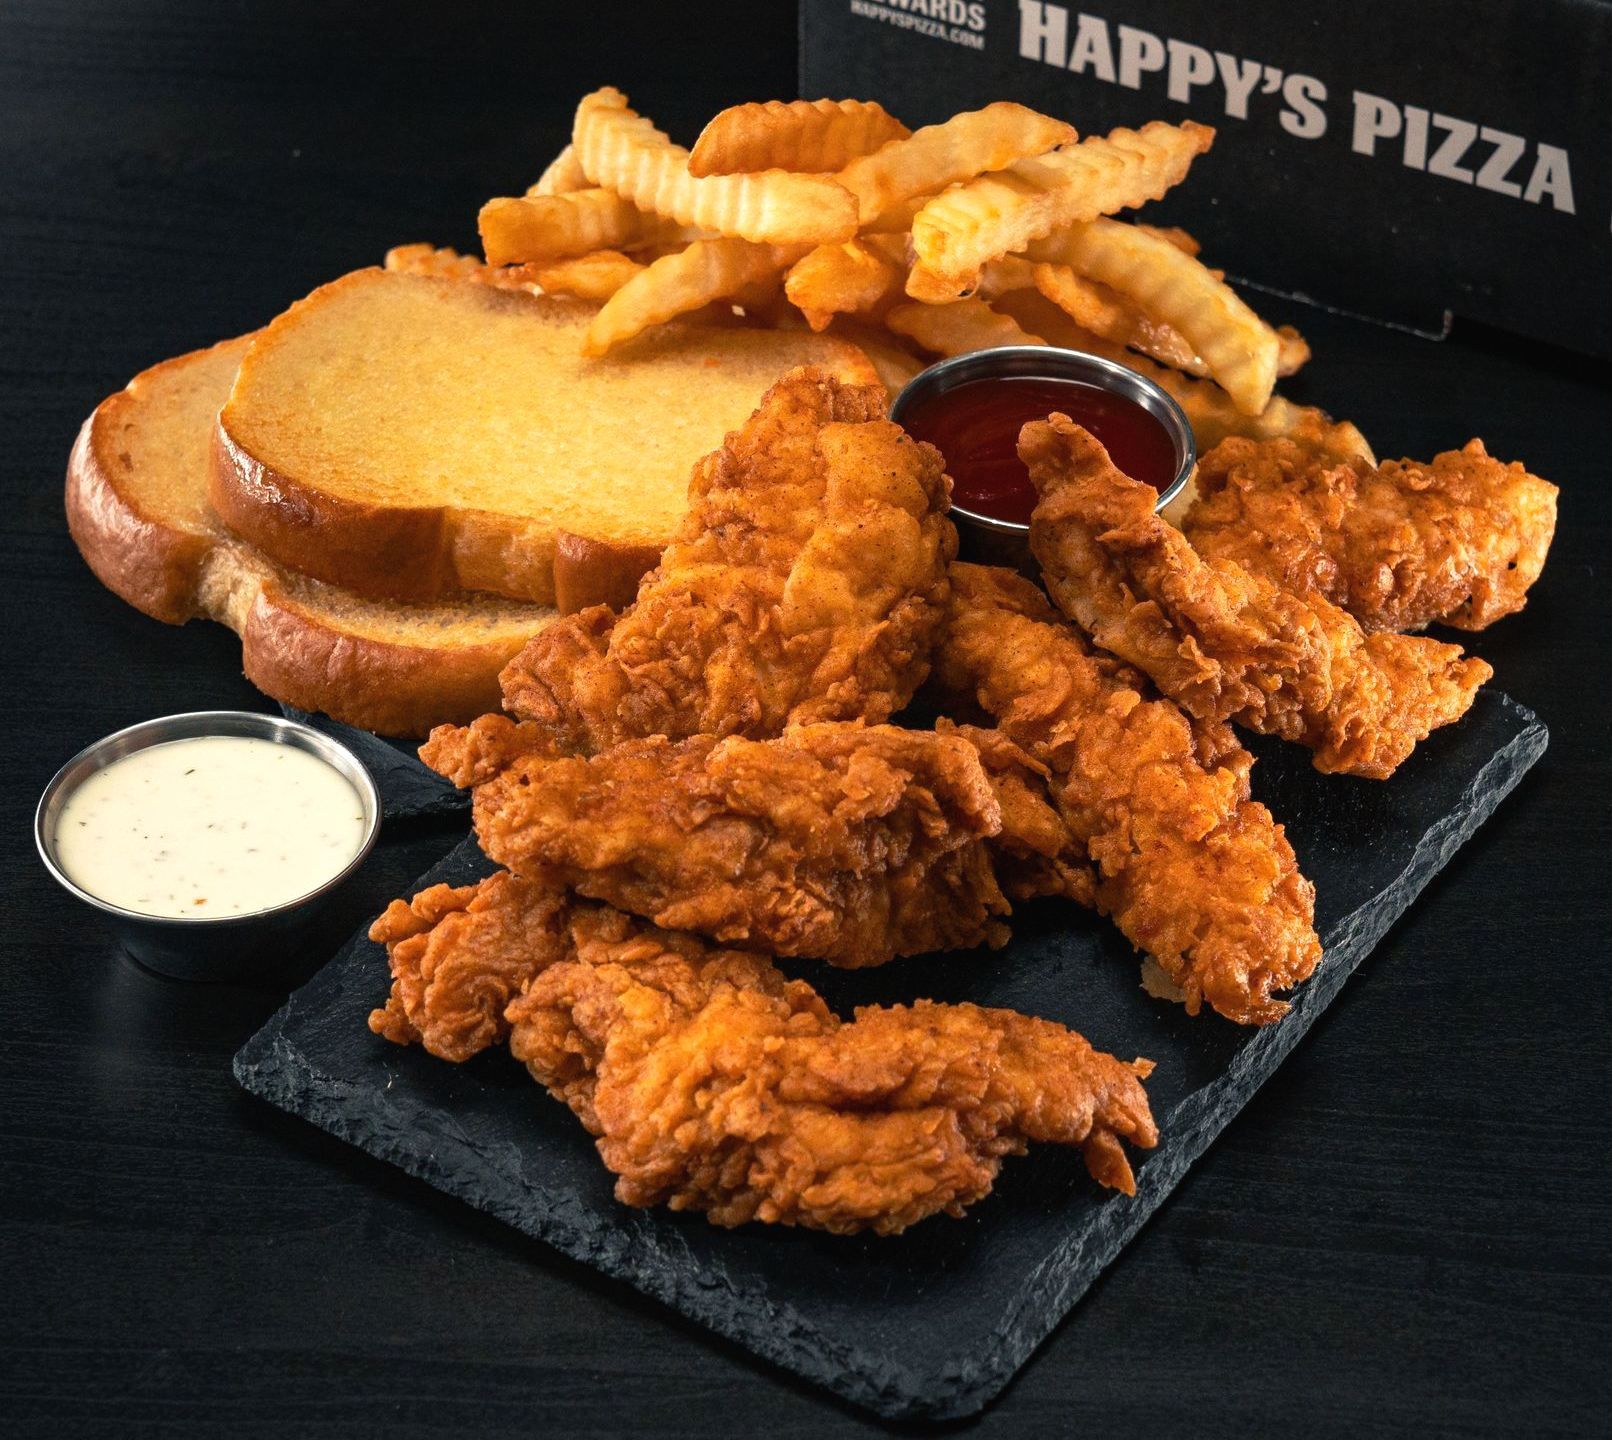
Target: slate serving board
935, 1322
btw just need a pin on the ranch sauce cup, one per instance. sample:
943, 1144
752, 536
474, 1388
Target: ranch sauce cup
211, 840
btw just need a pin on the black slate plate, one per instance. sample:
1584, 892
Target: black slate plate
408, 789
934, 1322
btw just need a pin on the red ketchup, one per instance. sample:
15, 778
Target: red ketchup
976, 427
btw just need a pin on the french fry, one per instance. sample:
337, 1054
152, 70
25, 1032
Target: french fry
564, 174
802, 135
1208, 408
1095, 307
1181, 239
623, 151
541, 228
1000, 214
721, 269
956, 149
445, 264
857, 277
959, 329
1293, 353
433, 260
1239, 348
596, 276
1011, 272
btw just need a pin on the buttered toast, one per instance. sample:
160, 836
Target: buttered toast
409, 437
137, 508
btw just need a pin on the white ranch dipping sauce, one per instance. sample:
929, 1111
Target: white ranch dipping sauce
209, 826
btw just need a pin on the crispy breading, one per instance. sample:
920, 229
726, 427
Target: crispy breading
712, 1083
805, 583
459, 956
1034, 853
1223, 643
1192, 871
1457, 540
842, 842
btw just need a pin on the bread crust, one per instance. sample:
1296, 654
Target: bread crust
392, 689
289, 651
425, 552
598, 572
153, 566
382, 552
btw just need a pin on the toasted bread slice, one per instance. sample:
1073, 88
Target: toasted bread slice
411, 437
137, 508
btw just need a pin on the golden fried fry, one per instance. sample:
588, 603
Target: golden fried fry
564, 174
802, 135
961, 228
959, 329
624, 151
588, 277
1172, 287
856, 278
1105, 312
447, 264
1183, 240
707, 270
964, 146
1293, 352
1208, 408
555, 227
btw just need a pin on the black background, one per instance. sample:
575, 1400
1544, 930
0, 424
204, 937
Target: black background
1407, 1230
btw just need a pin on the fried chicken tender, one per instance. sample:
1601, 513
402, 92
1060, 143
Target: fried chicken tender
713, 1083
459, 956
1192, 871
1221, 642
1400, 545
805, 582
1033, 853
843, 842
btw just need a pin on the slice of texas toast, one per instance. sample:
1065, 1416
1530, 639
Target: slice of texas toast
137, 508
411, 437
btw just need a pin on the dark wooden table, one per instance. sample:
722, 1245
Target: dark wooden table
1408, 1230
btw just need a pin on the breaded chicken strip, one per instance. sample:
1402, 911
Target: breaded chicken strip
1221, 642
806, 582
713, 1083
1033, 854
1192, 871
459, 955
847, 843
1400, 545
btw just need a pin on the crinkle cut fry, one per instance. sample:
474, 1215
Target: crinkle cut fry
842, 842
806, 582
1192, 871
712, 1083
1221, 642
1457, 540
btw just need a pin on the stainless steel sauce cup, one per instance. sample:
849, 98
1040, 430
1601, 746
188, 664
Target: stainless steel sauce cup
990, 541
223, 947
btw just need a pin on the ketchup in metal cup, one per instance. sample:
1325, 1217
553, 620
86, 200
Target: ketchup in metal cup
976, 425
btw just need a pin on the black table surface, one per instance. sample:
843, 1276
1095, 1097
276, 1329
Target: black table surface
1408, 1229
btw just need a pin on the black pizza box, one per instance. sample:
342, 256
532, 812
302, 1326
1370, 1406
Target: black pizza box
1407, 163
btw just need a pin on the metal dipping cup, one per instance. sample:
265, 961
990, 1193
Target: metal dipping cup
990, 541
223, 947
